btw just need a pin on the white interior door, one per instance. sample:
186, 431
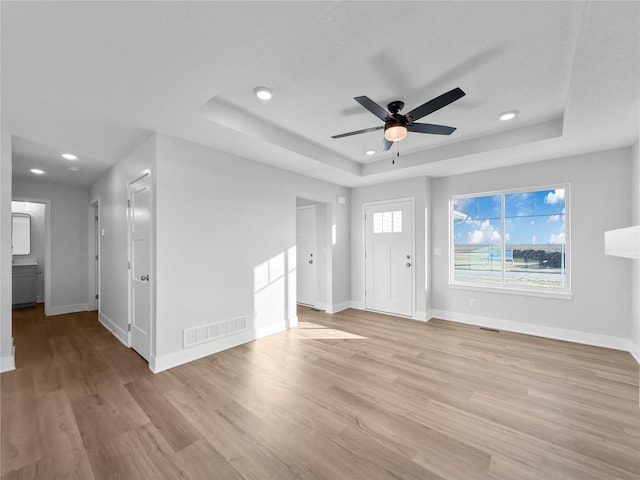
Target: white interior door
306, 254
140, 264
389, 257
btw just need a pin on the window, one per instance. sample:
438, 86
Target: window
516, 240
387, 222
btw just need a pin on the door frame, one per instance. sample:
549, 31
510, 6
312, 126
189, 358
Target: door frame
95, 244
152, 283
315, 260
47, 248
412, 216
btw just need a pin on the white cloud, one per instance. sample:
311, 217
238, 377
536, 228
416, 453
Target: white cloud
559, 238
533, 222
554, 197
554, 218
486, 234
533, 239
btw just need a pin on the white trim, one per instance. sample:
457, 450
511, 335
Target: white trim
559, 295
338, 307
47, 250
412, 201
575, 336
634, 350
62, 309
118, 332
270, 329
422, 316
95, 242
8, 363
293, 322
158, 364
320, 306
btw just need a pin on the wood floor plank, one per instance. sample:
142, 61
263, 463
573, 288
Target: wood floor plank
354, 395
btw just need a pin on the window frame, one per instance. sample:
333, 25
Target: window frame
527, 290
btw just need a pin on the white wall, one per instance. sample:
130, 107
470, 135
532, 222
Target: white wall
635, 264
600, 309
415, 187
111, 193
37, 213
7, 358
66, 277
225, 236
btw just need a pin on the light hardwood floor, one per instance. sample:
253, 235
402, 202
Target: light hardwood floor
350, 396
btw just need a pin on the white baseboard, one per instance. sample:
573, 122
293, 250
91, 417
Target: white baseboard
160, 363
320, 306
338, 307
634, 350
8, 363
62, 309
595, 339
118, 332
422, 316
270, 329
293, 322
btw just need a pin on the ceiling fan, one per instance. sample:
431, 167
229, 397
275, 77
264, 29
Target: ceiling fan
396, 124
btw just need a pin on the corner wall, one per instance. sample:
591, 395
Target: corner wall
225, 239
600, 309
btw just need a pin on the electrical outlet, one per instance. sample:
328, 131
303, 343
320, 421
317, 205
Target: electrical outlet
472, 302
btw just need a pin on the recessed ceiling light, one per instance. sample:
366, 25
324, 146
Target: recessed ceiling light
370, 152
263, 93
509, 115
37, 171
69, 156
73, 169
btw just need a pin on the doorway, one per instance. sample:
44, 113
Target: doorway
313, 253
29, 252
306, 255
389, 257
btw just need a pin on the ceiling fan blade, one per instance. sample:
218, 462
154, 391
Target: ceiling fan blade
357, 132
385, 145
431, 128
373, 107
436, 103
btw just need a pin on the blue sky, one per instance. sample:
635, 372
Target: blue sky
531, 218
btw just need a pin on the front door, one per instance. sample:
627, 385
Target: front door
306, 254
389, 257
139, 192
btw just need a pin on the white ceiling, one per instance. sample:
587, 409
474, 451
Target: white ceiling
97, 78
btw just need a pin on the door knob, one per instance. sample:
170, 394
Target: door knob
310, 261
408, 264
144, 278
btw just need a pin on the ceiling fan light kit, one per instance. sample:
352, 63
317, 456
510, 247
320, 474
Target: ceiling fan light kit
396, 125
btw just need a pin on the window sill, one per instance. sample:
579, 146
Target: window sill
564, 295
